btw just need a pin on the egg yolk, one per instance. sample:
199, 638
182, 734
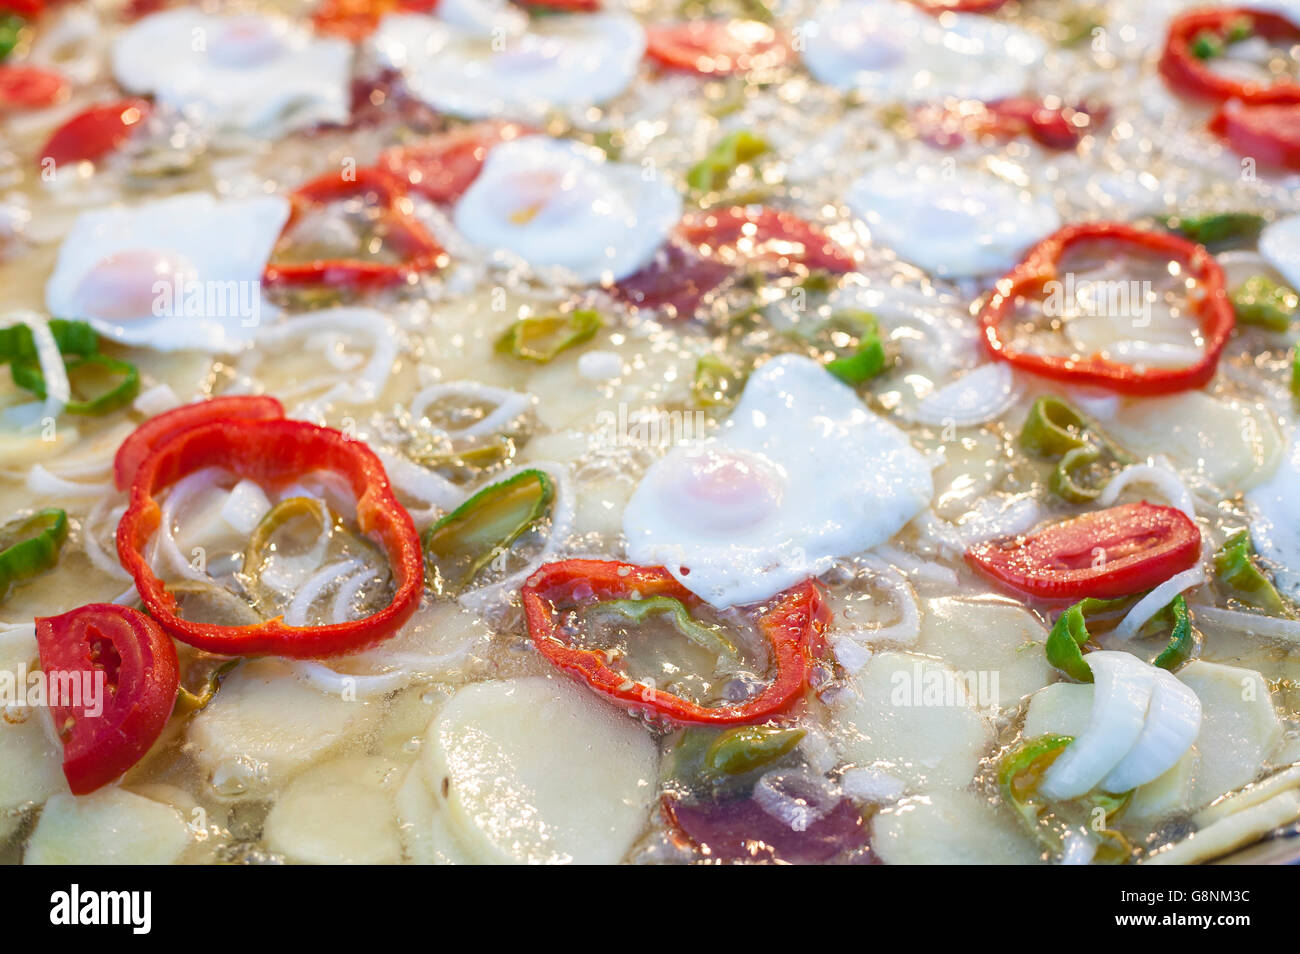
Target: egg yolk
246, 41
723, 490
129, 285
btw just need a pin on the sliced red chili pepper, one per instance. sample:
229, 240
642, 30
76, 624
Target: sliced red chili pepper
356, 19
716, 47
442, 167
141, 442
1042, 265
1269, 134
29, 9
94, 133
136, 662
274, 453
574, 6
676, 280
29, 87
1053, 127
793, 625
1104, 554
959, 6
1190, 75
766, 235
419, 251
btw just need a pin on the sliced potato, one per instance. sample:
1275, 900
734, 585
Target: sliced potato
339, 813
265, 724
950, 828
1240, 728
1002, 639
422, 821
109, 827
891, 724
539, 770
1063, 708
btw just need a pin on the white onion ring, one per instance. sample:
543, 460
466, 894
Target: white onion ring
915, 566
181, 493
849, 653
976, 397
41, 481
329, 680
156, 400
320, 581
341, 606
993, 517
1079, 848
58, 390
362, 387
1173, 721
422, 484
1250, 623
1157, 600
1163, 479
908, 628
95, 551
812, 798
509, 405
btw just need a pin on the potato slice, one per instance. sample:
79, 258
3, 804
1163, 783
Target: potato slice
265, 724
950, 828
338, 813
539, 770
422, 821
31, 759
1002, 639
109, 827
1240, 728
890, 724
1063, 708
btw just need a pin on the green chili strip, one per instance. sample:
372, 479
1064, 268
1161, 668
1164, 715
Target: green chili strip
636, 611
1235, 566
1265, 303
1218, 229
188, 701
741, 750
39, 538
540, 338
1055, 428
732, 151
1070, 634
466, 540
29, 376
1181, 638
717, 381
72, 337
1295, 372
1063, 481
867, 358
11, 26
280, 517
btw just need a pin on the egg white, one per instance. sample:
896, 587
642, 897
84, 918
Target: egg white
557, 204
221, 245
833, 479
955, 222
258, 74
560, 61
893, 51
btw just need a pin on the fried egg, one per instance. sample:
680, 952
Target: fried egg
558, 62
178, 273
801, 473
894, 51
558, 204
258, 74
952, 222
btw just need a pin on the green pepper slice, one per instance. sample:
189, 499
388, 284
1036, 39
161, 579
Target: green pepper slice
856, 348
1053, 427
72, 337
1265, 303
541, 337
1295, 372
749, 747
1070, 634
11, 27
1235, 566
286, 517
732, 151
28, 375
717, 381
1181, 638
706, 637
1219, 229
466, 540
37, 541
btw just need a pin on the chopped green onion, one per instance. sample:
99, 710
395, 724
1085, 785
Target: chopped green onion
466, 540
706, 637
11, 27
717, 381
1207, 45
741, 750
1218, 229
1235, 567
540, 338
113, 396
1070, 634
1053, 427
72, 337
868, 356
732, 151
1262, 302
1065, 484
37, 541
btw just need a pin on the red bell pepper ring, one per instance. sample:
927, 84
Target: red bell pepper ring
570, 6
793, 625
420, 251
959, 6
94, 133
356, 19
136, 662
141, 442
1188, 74
30, 87
27, 9
274, 453
1269, 134
765, 235
442, 167
716, 47
1042, 265
1104, 554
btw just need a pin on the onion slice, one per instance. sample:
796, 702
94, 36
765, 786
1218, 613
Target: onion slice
975, 398
1156, 600
1162, 478
1172, 724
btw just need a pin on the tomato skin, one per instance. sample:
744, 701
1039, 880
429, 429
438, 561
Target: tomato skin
94, 133
442, 167
139, 665
1105, 554
764, 235
141, 442
29, 87
1268, 133
716, 47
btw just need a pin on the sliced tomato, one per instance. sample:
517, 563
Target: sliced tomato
29, 87
959, 6
117, 677
1269, 134
141, 442
716, 47
442, 167
94, 133
766, 236
1106, 554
